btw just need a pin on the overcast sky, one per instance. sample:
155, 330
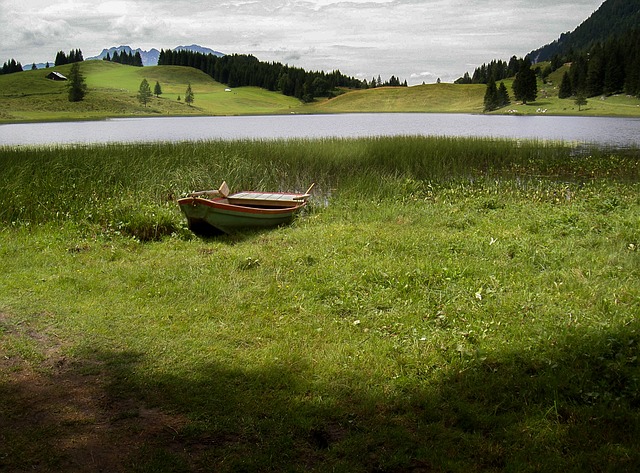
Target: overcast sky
416, 40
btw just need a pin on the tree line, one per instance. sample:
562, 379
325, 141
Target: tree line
607, 68
496, 70
75, 55
126, 58
238, 70
10, 67
525, 85
392, 82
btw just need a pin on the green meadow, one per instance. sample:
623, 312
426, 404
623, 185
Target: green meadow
113, 88
112, 92
445, 305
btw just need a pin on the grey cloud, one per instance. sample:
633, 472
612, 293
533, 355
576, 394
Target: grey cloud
366, 38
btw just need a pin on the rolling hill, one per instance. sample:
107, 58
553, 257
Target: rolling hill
442, 98
112, 92
113, 88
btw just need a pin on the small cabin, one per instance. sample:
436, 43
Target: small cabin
56, 76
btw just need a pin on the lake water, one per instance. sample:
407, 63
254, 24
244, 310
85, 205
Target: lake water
604, 131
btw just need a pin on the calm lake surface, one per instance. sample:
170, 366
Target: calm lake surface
604, 131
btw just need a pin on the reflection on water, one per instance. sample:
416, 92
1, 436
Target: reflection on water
605, 131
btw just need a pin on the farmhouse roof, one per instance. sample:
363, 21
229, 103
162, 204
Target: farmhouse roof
56, 76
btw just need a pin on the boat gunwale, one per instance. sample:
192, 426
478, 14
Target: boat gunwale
223, 204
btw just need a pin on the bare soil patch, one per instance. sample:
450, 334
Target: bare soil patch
55, 416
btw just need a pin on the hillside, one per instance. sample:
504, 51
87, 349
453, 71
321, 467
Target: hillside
433, 98
29, 96
614, 17
112, 90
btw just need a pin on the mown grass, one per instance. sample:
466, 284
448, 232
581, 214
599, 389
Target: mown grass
443, 305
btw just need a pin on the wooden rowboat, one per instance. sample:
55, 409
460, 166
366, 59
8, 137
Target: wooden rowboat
216, 211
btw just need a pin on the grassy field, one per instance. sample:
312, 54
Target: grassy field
443, 98
447, 98
446, 305
112, 91
29, 96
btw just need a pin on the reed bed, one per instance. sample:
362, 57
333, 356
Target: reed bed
107, 183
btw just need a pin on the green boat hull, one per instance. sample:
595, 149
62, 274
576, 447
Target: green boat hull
215, 216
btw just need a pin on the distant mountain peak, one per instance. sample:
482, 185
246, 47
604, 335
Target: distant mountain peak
150, 58
198, 49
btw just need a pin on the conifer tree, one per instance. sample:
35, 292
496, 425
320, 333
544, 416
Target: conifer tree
503, 95
144, 92
61, 59
188, 95
77, 86
525, 87
10, 67
491, 97
595, 72
565, 87
157, 90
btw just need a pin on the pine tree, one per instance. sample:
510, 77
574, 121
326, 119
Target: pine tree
137, 59
188, 96
503, 96
10, 67
565, 86
491, 97
61, 59
157, 90
580, 101
144, 92
77, 86
595, 72
578, 74
614, 73
525, 86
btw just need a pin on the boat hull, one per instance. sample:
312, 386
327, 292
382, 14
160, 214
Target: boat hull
216, 216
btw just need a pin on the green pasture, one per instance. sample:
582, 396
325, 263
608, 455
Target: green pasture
444, 305
443, 98
112, 90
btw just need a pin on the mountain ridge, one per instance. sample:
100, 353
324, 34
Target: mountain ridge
150, 58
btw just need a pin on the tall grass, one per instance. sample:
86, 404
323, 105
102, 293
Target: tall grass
106, 183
